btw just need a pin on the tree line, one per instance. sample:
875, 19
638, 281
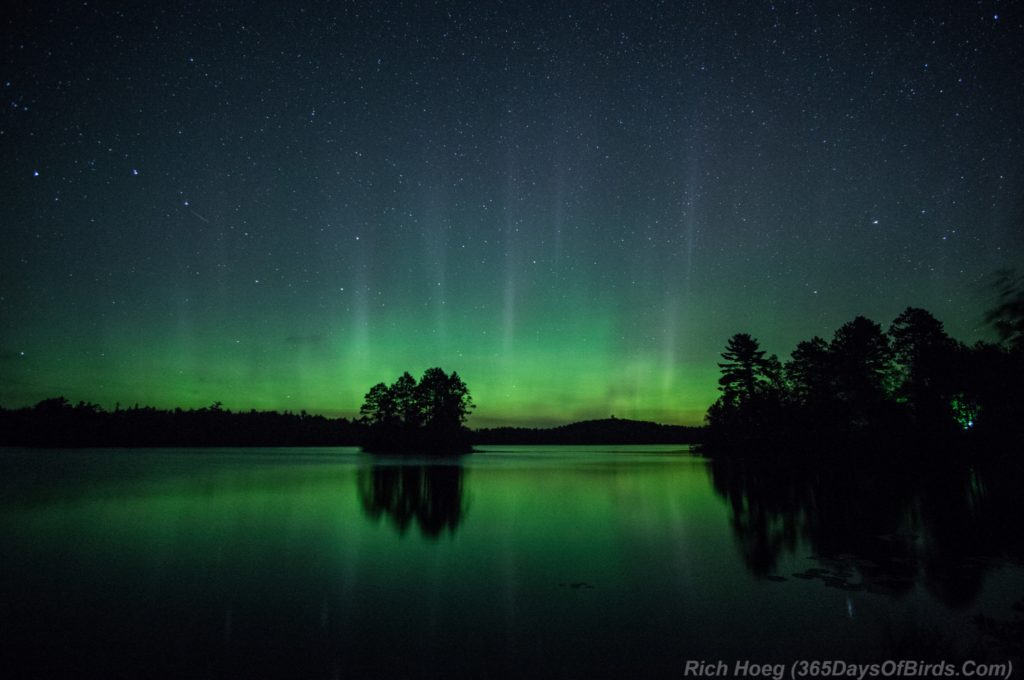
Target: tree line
912, 383
57, 422
425, 416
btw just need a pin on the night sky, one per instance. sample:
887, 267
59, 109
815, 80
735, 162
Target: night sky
572, 204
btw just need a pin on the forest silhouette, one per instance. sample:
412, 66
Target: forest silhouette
58, 423
872, 389
911, 387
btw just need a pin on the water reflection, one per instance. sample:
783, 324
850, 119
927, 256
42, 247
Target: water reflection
431, 496
278, 563
882, 529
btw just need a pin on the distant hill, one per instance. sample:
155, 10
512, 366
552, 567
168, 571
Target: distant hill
603, 431
58, 423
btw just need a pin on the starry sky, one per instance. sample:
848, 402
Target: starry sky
572, 204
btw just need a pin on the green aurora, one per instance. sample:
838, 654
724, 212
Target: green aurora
279, 209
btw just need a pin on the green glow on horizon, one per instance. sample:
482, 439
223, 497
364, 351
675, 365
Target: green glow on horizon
550, 356
578, 367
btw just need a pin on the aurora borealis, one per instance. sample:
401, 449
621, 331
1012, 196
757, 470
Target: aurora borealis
573, 205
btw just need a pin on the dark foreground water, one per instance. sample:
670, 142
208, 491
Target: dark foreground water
513, 562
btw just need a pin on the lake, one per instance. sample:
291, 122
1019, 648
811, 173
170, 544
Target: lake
511, 562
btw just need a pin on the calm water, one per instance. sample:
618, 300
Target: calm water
513, 562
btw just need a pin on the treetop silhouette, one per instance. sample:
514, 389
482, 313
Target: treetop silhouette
869, 388
418, 417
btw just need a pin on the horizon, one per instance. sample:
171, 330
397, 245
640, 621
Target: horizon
550, 417
477, 422
573, 207
539, 425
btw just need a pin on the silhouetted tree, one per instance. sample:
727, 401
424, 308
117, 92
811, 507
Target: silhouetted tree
379, 407
427, 416
809, 372
870, 391
745, 372
924, 366
408, 404
444, 399
862, 365
774, 375
751, 386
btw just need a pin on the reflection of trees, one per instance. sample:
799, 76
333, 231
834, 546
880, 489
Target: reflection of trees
759, 501
432, 496
889, 526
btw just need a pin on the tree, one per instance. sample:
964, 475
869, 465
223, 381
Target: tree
809, 372
379, 408
744, 372
870, 390
405, 393
444, 399
862, 361
751, 386
424, 416
923, 356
